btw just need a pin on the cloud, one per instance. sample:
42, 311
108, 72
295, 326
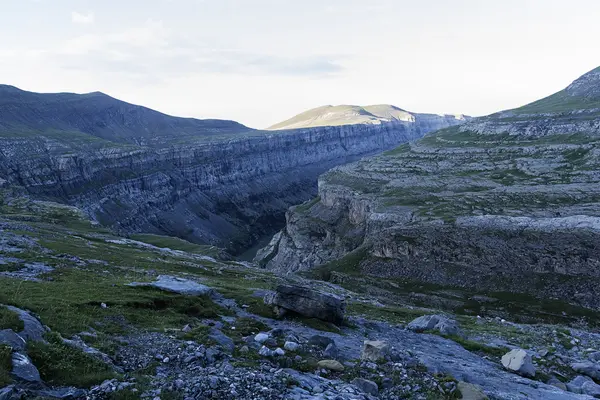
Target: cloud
151, 51
82, 19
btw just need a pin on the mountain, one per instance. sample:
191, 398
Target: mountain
349, 115
137, 170
101, 116
504, 203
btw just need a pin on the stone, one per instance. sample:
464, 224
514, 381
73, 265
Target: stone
244, 349
222, 340
587, 368
261, 337
291, 346
556, 383
440, 323
33, 329
374, 350
331, 365
331, 351
584, 385
177, 285
10, 338
279, 352
23, 369
519, 361
470, 391
366, 386
265, 352
308, 303
594, 356
320, 341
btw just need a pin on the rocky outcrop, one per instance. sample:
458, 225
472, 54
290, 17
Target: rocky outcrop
508, 202
205, 181
308, 303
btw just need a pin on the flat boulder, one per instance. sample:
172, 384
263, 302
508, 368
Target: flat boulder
588, 368
443, 325
24, 370
518, 361
308, 303
177, 285
331, 365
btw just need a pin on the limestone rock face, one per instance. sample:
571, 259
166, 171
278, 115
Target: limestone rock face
207, 181
507, 202
519, 361
309, 303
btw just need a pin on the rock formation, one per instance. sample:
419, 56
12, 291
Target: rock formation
509, 203
208, 181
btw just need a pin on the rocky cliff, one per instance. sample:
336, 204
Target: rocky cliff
134, 169
504, 203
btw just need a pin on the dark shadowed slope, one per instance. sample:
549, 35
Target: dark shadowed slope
101, 116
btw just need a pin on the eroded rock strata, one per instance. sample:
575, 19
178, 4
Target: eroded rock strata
505, 203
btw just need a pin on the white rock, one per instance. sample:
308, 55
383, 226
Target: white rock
261, 337
291, 346
519, 361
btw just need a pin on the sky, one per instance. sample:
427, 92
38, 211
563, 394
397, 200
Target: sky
262, 61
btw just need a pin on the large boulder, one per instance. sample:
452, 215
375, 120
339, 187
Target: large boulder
588, 368
366, 386
177, 285
308, 303
584, 385
443, 325
519, 361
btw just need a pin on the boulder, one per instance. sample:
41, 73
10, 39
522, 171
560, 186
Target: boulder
320, 341
587, 368
10, 338
331, 365
366, 386
584, 385
519, 361
374, 350
261, 337
331, 351
308, 303
470, 391
291, 346
33, 329
23, 369
443, 325
177, 285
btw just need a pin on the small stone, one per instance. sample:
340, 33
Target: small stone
320, 341
265, 352
291, 346
374, 350
103, 305
186, 328
366, 386
279, 352
244, 349
261, 337
331, 351
519, 361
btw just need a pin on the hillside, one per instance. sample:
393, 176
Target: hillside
504, 203
349, 115
99, 116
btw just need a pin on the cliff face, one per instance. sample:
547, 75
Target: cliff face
504, 203
221, 188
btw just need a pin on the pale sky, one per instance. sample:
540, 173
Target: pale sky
262, 61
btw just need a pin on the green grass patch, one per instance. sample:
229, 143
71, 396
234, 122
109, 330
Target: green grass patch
10, 320
174, 243
60, 364
349, 264
5, 365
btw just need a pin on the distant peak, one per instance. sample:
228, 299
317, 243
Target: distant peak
587, 86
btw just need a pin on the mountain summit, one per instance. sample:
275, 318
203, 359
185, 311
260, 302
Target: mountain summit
349, 115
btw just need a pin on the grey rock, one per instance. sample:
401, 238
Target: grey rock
374, 350
366, 386
594, 356
222, 340
177, 285
10, 338
332, 365
471, 392
442, 324
265, 352
261, 337
331, 351
588, 368
33, 329
320, 341
519, 361
291, 346
23, 369
309, 303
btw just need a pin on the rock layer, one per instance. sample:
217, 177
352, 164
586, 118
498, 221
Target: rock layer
508, 202
136, 170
